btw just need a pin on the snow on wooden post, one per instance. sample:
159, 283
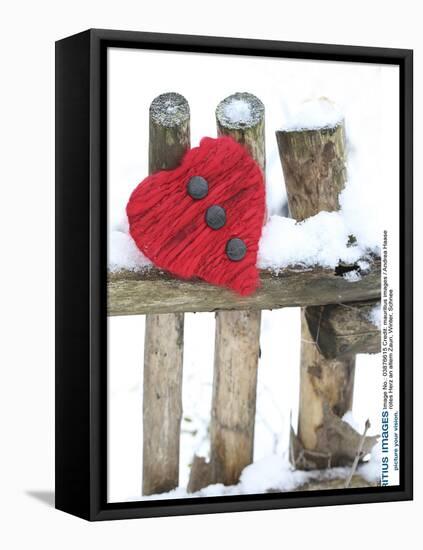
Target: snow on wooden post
164, 333
237, 343
240, 116
314, 167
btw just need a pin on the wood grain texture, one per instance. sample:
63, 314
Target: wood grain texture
321, 381
313, 163
344, 329
324, 440
152, 291
337, 445
236, 357
249, 132
162, 401
237, 340
169, 139
314, 168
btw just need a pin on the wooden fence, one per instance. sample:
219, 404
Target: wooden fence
335, 313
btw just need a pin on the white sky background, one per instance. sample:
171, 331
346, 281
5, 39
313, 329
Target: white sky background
368, 97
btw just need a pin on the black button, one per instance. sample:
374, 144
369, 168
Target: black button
215, 217
197, 187
236, 249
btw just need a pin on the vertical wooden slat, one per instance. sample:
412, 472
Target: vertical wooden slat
164, 333
314, 167
237, 343
162, 405
321, 380
236, 357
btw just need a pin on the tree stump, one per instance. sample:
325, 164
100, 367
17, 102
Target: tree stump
169, 139
314, 167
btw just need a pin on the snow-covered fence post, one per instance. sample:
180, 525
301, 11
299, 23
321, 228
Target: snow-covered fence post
164, 333
237, 340
314, 167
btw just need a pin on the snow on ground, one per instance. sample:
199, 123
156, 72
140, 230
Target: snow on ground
272, 473
277, 406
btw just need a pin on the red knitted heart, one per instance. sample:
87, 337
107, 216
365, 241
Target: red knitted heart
170, 227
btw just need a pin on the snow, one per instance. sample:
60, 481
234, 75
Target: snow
319, 240
371, 470
349, 419
276, 409
352, 276
375, 315
296, 106
366, 97
124, 253
238, 110
272, 473
275, 473
314, 114
170, 108
364, 266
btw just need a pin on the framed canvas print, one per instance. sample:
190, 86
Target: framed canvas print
234, 274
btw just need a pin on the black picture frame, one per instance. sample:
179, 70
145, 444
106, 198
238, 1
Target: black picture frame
81, 189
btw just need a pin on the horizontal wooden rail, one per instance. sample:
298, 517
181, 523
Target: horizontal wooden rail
152, 291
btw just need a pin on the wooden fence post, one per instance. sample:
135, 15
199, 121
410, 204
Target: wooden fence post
164, 333
314, 167
342, 330
237, 342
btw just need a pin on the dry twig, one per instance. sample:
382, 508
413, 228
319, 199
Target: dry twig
358, 455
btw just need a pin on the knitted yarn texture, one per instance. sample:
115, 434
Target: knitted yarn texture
174, 221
